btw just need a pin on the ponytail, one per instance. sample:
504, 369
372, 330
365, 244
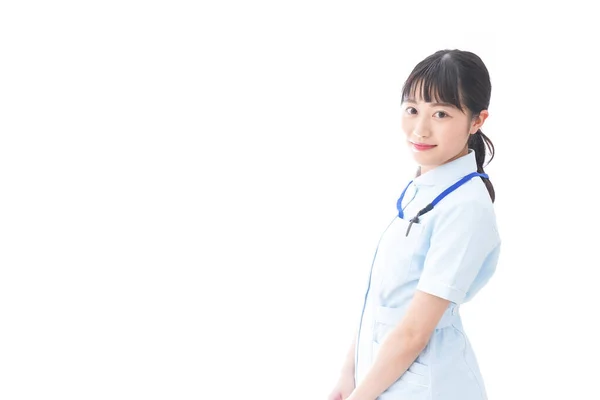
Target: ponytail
480, 143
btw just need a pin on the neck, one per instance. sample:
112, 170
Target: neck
426, 168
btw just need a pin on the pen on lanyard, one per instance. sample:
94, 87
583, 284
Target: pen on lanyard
416, 217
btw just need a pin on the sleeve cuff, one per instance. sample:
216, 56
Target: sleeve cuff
442, 290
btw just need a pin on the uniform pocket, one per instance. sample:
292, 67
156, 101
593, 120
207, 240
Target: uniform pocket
416, 374
396, 256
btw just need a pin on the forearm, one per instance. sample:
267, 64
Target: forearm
348, 365
396, 354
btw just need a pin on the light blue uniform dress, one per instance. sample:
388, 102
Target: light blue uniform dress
451, 252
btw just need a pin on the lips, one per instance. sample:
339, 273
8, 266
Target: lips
422, 147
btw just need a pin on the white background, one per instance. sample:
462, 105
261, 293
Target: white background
191, 195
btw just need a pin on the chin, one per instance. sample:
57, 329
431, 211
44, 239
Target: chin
422, 159
426, 163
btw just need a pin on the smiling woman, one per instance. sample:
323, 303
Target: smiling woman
438, 132
437, 253
445, 103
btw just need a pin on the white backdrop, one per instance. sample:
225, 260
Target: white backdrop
191, 195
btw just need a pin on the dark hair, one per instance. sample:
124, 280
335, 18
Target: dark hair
459, 78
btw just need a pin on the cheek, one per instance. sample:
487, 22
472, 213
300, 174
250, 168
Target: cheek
406, 126
453, 137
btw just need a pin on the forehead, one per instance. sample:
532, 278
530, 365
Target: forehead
428, 93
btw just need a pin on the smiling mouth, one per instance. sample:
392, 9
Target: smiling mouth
422, 147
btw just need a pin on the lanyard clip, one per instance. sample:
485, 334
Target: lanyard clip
416, 217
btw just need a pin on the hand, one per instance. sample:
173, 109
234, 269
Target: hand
343, 388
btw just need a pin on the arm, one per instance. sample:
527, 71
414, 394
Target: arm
345, 384
402, 345
348, 366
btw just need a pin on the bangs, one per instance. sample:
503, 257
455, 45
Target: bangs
434, 81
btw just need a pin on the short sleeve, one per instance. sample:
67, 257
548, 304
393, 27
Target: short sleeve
463, 245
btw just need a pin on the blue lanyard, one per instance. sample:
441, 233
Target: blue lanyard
430, 206
399, 203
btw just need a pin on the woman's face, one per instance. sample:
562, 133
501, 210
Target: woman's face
437, 133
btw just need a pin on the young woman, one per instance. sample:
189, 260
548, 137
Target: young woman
440, 249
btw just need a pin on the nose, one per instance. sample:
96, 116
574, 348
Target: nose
421, 128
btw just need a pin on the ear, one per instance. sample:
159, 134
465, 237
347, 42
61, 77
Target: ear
478, 121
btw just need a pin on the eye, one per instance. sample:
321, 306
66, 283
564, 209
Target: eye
442, 114
410, 109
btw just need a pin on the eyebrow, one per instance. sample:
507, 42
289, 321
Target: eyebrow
443, 105
433, 104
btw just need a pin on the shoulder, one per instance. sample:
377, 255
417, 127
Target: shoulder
468, 210
472, 197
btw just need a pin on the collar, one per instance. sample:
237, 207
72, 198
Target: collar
448, 173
